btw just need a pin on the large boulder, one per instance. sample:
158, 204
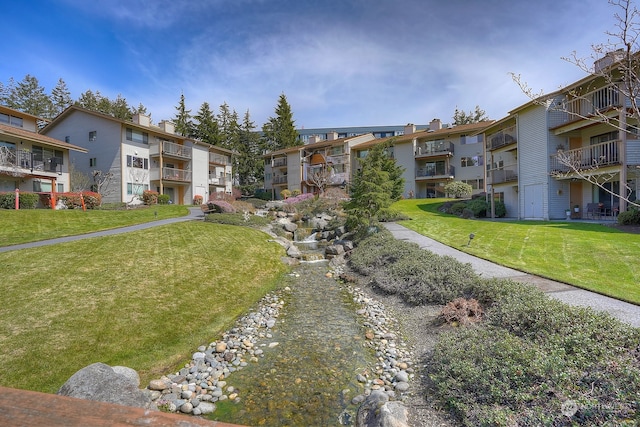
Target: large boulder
100, 382
377, 411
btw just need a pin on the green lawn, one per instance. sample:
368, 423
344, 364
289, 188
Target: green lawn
143, 299
589, 256
30, 225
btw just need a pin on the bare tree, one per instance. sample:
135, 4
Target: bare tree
138, 179
613, 68
319, 177
102, 182
80, 181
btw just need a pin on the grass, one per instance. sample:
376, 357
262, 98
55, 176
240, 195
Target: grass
30, 225
144, 299
589, 256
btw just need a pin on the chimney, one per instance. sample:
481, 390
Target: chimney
167, 126
332, 136
313, 139
409, 129
435, 124
141, 119
607, 60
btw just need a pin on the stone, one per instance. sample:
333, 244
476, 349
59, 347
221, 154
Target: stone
99, 382
206, 408
294, 252
402, 386
334, 250
186, 408
377, 411
158, 385
402, 376
128, 373
221, 347
290, 227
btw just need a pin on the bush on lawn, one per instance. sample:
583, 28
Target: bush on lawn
27, 200
630, 217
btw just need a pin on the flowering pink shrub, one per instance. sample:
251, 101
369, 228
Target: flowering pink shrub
299, 198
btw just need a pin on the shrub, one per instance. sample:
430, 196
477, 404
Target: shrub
163, 199
479, 207
457, 208
296, 192
285, 194
257, 203
197, 200
630, 217
458, 189
27, 200
238, 219
391, 215
74, 200
149, 197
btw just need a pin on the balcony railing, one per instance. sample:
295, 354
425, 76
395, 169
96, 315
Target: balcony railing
219, 159
591, 103
502, 138
587, 158
172, 174
434, 148
22, 161
279, 162
217, 180
437, 171
279, 179
175, 150
502, 175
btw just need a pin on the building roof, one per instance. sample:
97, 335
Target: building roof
319, 144
427, 134
37, 137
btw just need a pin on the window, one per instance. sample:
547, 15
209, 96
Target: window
476, 184
42, 186
93, 135
46, 154
60, 188
11, 120
137, 136
67, 139
472, 161
136, 188
93, 162
137, 162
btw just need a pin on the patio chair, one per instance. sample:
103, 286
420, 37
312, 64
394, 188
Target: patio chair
592, 210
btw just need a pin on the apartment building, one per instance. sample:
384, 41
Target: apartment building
319, 163
30, 161
318, 134
573, 150
435, 156
142, 156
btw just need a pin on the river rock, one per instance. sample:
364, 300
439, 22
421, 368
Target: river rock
294, 252
377, 411
334, 250
290, 227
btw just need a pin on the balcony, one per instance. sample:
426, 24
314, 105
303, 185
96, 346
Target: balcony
219, 159
170, 149
280, 162
502, 138
592, 103
24, 162
587, 158
435, 172
434, 148
502, 175
279, 180
178, 175
220, 181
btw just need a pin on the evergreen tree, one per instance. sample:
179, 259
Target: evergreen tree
248, 164
280, 132
29, 97
60, 98
88, 100
206, 130
228, 127
104, 104
120, 109
140, 110
183, 123
462, 118
375, 186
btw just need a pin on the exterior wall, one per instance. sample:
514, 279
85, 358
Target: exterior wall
533, 159
294, 172
469, 173
404, 155
199, 173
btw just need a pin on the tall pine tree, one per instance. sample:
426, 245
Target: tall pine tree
249, 164
206, 130
29, 97
60, 98
279, 131
183, 123
228, 127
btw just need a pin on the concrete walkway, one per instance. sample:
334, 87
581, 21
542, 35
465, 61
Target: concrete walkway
194, 214
623, 311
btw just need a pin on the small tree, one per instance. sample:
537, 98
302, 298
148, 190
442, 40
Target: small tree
458, 189
102, 182
376, 185
80, 181
462, 118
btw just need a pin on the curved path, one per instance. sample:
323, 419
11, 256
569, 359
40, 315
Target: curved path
624, 311
194, 214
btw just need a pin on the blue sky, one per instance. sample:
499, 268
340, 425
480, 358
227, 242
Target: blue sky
339, 62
